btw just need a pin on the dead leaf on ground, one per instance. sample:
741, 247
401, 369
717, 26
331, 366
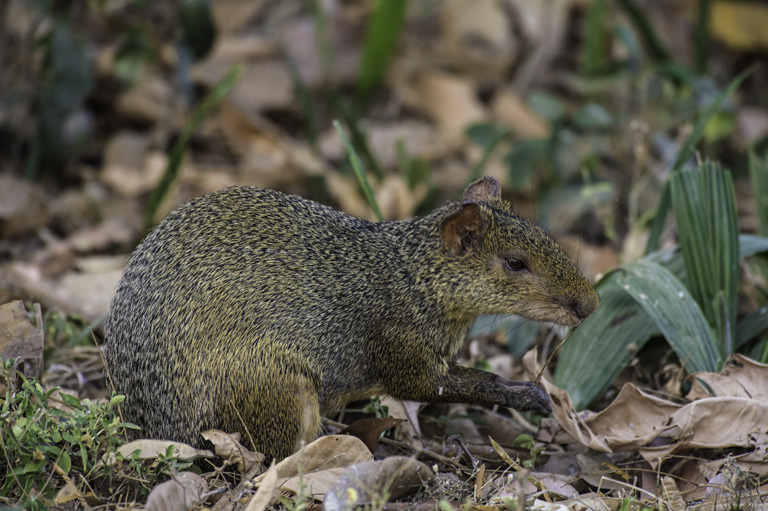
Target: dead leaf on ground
21, 338
369, 430
326, 452
521, 119
22, 206
228, 446
740, 377
430, 92
266, 492
150, 449
357, 485
180, 493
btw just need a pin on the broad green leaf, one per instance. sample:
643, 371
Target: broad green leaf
669, 304
607, 340
70, 400
65, 462
599, 349
705, 211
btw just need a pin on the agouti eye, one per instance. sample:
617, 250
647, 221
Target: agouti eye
515, 265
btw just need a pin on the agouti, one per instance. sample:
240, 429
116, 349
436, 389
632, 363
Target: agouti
253, 311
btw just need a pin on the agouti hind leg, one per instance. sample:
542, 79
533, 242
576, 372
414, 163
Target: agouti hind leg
279, 407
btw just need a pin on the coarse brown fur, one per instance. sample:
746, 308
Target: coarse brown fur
250, 303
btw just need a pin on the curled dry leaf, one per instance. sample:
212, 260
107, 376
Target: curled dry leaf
265, 493
326, 452
740, 377
635, 418
362, 483
228, 446
180, 493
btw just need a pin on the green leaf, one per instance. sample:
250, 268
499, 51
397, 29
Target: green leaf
71, 401
381, 36
65, 462
605, 343
357, 165
618, 329
758, 177
199, 28
664, 298
198, 115
705, 211
686, 150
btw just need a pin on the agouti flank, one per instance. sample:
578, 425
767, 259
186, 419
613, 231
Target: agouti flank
252, 311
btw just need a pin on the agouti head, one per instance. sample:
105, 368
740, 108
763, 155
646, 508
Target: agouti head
509, 266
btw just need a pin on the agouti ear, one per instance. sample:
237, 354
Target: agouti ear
484, 188
463, 230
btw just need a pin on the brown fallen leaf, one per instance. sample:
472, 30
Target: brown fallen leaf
326, 452
369, 430
739, 377
150, 449
21, 338
228, 446
180, 493
266, 492
362, 483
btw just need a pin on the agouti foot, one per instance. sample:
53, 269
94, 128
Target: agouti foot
526, 395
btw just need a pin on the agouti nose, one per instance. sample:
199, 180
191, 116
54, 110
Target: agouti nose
583, 307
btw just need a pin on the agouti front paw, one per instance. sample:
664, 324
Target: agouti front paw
526, 395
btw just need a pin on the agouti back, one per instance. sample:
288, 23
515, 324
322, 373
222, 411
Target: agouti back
255, 311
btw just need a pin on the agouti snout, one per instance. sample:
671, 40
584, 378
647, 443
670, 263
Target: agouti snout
283, 309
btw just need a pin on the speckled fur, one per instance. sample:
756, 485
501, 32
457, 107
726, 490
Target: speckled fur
283, 309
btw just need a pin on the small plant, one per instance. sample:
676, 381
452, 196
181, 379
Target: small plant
42, 444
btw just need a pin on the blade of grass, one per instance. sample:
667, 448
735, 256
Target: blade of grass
381, 36
701, 36
651, 40
594, 57
686, 150
201, 111
758, 177
705, 211
306, 105
357, 165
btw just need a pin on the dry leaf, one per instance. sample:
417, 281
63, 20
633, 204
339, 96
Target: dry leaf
22, 206
739, 377
369, 430
326, 452
739, 24
430, 92
227, 446
409, 411
20, 338
266, 492
521, 119
360, 483
149, 449
180, 493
